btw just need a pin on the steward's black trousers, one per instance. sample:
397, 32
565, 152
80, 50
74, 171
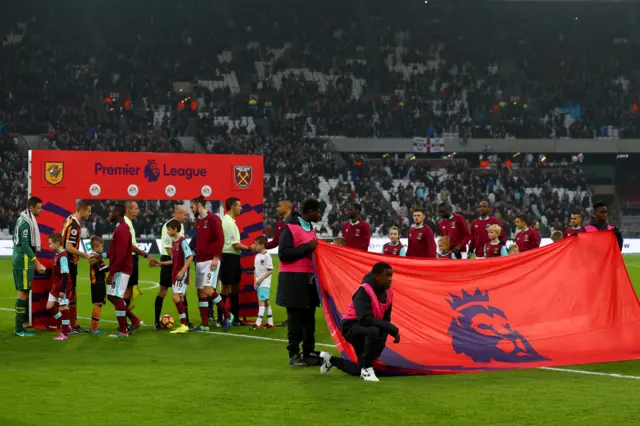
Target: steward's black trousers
301, 323
368, 344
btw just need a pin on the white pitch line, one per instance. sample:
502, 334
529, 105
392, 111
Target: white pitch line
154, 285
272, 339
218, 333
590, 373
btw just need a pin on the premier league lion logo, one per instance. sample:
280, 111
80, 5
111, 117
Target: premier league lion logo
483, 333
151, 171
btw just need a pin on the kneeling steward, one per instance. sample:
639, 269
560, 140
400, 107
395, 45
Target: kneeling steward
366, 325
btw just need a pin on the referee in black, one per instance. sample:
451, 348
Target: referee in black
230, 267
180, 213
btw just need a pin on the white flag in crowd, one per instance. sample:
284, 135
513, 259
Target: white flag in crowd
421, 144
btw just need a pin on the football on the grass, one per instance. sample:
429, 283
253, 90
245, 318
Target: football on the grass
166, 321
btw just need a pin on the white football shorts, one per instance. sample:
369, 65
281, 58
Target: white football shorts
119, 285
205, 277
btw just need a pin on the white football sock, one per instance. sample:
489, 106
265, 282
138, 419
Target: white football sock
269, 315
260, 315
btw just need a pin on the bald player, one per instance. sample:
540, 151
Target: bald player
180, 213
131, 213
285, 207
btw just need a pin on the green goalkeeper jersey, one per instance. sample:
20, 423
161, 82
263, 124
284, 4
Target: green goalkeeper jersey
22, 245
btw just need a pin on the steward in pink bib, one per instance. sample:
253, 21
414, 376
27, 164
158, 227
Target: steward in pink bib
599, 222
366, 324
296, 288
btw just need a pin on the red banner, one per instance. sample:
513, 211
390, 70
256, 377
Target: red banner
567, 303
60, 178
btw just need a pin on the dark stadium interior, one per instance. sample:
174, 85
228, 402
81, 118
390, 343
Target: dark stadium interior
284, 81
439, 195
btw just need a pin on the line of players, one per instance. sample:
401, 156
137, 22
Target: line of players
217, 243
218, 240
485, 238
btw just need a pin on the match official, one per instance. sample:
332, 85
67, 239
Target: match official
180, 213
230, 269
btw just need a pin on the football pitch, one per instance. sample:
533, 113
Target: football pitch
243, 378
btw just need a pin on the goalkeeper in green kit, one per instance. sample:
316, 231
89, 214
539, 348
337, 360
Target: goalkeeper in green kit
26, 242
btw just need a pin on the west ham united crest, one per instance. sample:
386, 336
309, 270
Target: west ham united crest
243, 175
53, 172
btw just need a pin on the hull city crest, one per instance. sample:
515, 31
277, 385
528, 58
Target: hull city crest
53, 172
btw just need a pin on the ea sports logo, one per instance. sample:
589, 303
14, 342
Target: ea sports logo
95, 190
206, 191
132, 190
170, 190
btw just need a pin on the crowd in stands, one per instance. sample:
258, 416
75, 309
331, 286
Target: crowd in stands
279, 81
13, 182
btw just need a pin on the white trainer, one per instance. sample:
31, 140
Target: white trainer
368, 375
326, 366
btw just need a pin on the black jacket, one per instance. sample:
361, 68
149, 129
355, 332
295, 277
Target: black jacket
604, 226
286, 251
362, 305
295, 290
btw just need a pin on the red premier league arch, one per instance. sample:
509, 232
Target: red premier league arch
60, 178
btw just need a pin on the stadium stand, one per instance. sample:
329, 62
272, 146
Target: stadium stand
282, 82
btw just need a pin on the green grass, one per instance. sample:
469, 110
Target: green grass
155, 378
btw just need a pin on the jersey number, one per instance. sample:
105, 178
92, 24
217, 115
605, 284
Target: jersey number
16, 235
